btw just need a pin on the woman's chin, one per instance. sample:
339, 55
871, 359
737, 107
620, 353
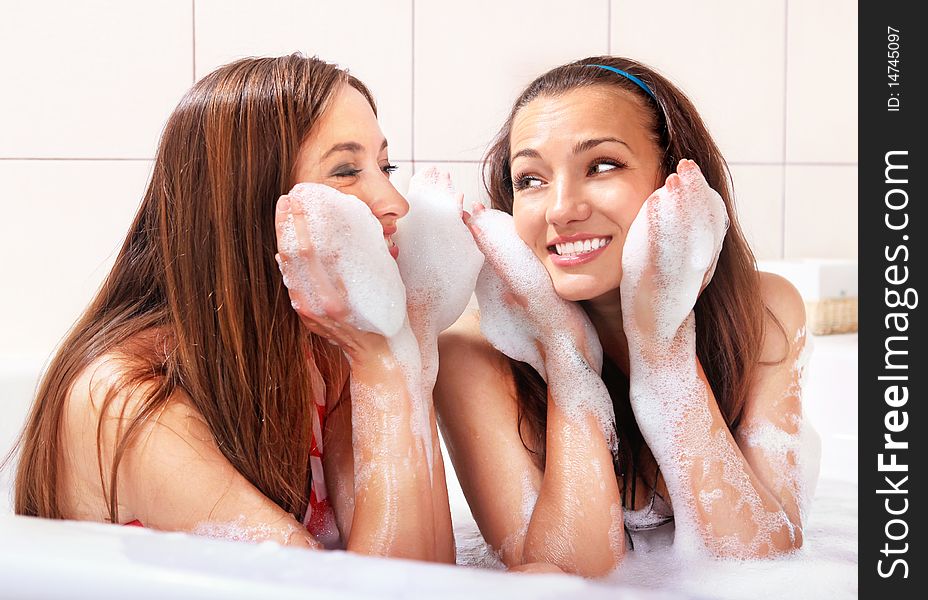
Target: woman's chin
580, 288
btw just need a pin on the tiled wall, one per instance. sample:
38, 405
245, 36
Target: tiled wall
88, 84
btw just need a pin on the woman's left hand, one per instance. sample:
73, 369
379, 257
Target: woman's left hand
670, 253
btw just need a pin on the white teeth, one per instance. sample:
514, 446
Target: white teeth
574, 248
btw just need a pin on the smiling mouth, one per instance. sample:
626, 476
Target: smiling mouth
580, 247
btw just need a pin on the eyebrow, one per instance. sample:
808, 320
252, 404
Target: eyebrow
588, 144
353, 147
578, 148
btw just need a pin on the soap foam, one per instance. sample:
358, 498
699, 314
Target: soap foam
667, 253
511, 275
347, 247
438, 262
348, 241
438, 259
237, 530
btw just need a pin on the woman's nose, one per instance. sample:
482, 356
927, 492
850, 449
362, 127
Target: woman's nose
567, 205
386, 202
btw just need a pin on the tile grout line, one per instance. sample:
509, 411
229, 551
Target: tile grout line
423, 160
72, 159
785, 127
731, 163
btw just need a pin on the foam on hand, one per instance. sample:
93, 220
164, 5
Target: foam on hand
438, 259
521, 314
348, 241
503, 325
673, 245
438, 262
669, 254
349, 258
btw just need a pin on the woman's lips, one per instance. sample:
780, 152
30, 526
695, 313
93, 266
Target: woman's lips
578, 259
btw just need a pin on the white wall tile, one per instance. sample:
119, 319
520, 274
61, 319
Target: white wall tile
63, 222
821, 85
94, 78
473, 58
728, 56
373, 39
759, 206
821, 212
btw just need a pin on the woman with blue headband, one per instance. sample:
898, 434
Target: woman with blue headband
617, 190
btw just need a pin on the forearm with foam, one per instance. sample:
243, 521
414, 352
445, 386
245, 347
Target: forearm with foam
719, 504
393, 454
577, 522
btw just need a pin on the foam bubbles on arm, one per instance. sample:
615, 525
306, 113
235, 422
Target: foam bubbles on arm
572, 523
720, 504
343, 280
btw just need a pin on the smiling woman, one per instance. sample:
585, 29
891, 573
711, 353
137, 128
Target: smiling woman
197, 392
612, 176
619, 192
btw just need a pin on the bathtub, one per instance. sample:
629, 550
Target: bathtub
67, 559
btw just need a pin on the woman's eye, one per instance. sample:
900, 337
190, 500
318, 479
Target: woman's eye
526, 181
346, 171
603, 167
389, 169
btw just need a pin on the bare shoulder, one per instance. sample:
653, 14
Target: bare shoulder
773, 396
97, 408
105, 400
785, 322
172, 474
100, 388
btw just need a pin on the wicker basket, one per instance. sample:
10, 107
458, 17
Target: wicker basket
832, 315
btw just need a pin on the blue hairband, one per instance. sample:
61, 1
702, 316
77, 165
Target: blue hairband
630, 77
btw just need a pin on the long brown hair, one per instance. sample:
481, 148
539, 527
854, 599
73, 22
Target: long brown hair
729, 313
195, 300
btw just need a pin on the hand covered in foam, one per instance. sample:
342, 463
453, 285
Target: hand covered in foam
438, 259
521, 314
670, 253
340, 275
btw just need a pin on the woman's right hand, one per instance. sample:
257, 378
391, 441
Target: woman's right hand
327, 312
524, 290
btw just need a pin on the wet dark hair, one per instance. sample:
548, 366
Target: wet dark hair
730, 312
